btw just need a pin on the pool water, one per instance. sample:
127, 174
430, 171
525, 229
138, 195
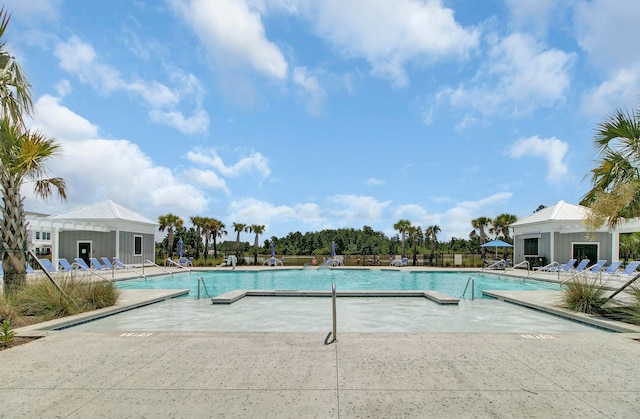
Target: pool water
220, 282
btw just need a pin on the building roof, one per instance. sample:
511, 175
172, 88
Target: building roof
106, 210
561, 211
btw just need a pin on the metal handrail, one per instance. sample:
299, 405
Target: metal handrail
201, 279
473, 285
158, 266
333, 302
173, 262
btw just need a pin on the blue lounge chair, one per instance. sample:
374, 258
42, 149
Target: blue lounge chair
581, 266
628, 272
597, 267
117, 263
95, 264
564, 268
48, 266
65, 266
106, 262
29, 268
82, 265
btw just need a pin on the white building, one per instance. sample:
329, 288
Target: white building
557, 233
102, 229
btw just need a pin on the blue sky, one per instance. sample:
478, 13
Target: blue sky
304, 115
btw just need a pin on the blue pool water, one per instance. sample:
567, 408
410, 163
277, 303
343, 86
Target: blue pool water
220, 282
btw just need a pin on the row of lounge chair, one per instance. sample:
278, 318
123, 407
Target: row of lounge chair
79, 264
611, 272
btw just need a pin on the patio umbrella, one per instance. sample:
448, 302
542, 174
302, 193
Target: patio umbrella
333, 249
496, 244
180, 247
273, 251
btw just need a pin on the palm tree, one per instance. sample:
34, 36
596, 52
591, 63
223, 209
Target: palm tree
197, 222
239, 228
402, 226
22, 157
501, 225
15, 90
432, 233
415, 233
615, 192
205, 229
258, 230
169, 222
217, 230
479, 224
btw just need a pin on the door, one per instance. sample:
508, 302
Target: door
84, 251
586, 251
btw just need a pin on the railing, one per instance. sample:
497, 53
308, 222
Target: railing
174, 263
473, 286
201, 280
157, 266
333, 302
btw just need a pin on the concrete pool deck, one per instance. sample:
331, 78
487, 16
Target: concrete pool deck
230, 374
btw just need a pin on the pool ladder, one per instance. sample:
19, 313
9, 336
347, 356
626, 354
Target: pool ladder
201, 280
473, 285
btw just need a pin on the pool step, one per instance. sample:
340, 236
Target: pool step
235, 295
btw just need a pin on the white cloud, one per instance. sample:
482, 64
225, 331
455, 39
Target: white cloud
61, 122
33, 10
80, 59
374, 182
355, 207
618, 91
311, 90
207, 178
233, 34
97, 169
391, 33
518, 75
552, 150
255, 162
534, 14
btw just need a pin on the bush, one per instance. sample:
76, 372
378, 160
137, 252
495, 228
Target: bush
40, 300
584, 296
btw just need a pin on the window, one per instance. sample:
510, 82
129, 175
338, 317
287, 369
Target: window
531, 247
137, 245
46, 235
37, 235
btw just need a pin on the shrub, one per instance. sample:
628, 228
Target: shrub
6, 334
40, 300
584, 296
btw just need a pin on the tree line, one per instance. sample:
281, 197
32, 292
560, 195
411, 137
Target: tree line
410, 240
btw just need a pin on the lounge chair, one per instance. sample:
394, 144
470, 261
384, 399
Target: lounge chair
95, 264
82, 265
564, 268
337, 261
48, 266
597, 267
582, 266
29, 268
400, 262
498, 264
65, 266
551, 267
117, 263
106, 262
628, 271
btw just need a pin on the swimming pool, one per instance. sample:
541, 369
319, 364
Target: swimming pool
450, 283
313, 314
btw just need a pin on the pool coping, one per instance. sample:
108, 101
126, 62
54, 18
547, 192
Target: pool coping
549, 302
235, 295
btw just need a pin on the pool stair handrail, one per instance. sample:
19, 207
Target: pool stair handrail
204, 285
335, 323
523, 263
118, 264
157, 266
473, 286
172, 262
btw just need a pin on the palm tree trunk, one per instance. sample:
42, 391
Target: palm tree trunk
14, 236
255, 251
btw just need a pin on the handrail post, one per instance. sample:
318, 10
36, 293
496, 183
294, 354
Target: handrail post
333, 297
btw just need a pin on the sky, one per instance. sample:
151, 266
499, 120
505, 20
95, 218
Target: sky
304, 115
